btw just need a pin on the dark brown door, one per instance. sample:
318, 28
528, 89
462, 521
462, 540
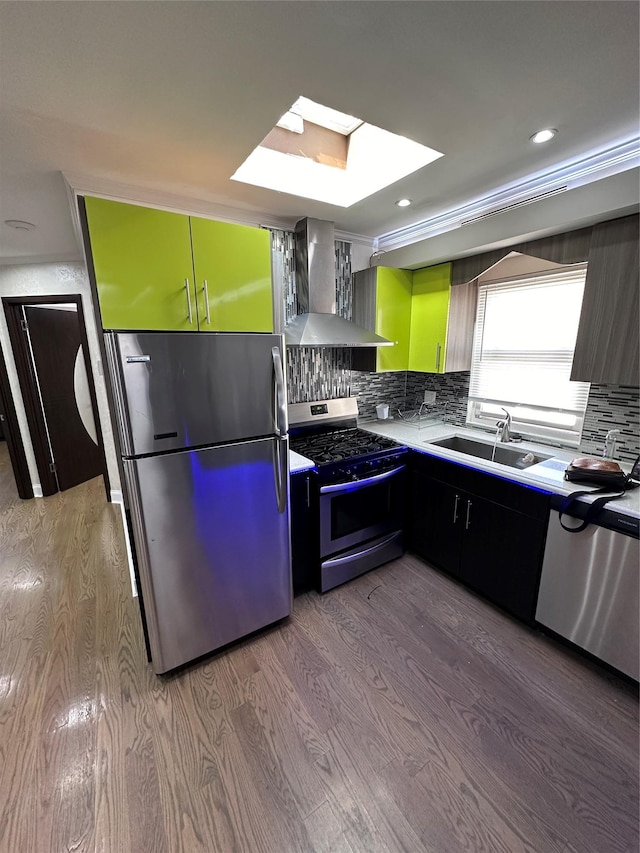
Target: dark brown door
59, 361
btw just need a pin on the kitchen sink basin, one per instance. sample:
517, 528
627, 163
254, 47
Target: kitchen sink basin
504, 455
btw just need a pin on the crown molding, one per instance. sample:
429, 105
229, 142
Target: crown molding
78, 184
82, 184
569, 176
598, 201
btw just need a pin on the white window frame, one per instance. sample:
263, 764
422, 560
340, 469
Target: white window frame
554, 424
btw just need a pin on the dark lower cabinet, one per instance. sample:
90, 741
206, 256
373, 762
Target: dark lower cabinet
486, 531
304, 533
434, 529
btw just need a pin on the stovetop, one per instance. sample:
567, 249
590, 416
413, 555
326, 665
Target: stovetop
337, 445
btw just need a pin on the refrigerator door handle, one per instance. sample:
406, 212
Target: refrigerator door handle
280, 402
280, 472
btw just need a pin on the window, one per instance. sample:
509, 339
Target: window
523, 347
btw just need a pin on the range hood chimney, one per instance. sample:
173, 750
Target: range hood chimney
319, 325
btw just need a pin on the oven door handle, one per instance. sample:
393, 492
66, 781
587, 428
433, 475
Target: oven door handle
351, 558
360, 484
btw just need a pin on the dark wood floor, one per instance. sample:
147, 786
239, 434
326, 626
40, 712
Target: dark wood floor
398, 713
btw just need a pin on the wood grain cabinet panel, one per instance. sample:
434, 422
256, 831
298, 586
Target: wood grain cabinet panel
607, 347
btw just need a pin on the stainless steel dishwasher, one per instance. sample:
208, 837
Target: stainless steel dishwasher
590, 588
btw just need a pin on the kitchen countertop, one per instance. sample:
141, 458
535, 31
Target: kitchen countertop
547, 475
298, 463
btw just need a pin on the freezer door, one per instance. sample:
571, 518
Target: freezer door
187, 389
211, 531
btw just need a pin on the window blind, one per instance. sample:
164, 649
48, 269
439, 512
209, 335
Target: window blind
524, 342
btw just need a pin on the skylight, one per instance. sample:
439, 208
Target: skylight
320, 153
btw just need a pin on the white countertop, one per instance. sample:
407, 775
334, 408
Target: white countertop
298, 463
547, 475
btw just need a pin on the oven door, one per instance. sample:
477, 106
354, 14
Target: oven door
354, 513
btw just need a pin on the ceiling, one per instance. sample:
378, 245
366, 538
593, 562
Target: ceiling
161, 102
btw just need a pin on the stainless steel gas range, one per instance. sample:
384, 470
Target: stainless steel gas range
360, 486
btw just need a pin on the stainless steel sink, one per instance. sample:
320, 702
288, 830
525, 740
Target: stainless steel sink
504, 455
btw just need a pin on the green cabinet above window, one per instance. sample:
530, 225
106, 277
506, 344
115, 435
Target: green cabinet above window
159, 270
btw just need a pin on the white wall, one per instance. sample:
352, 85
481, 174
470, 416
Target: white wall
50, 280
361, 252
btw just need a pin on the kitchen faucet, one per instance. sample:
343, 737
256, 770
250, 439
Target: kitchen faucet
503, 428
610, 443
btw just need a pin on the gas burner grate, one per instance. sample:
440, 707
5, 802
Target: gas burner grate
336, 446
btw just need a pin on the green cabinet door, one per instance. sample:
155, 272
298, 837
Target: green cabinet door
393, 317
143, 266
232, 266
429, 314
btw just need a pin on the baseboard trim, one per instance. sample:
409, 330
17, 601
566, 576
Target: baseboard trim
116, 498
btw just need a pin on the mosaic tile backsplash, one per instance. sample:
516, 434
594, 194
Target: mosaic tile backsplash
320, 374
404, 391
312, 373
612, 407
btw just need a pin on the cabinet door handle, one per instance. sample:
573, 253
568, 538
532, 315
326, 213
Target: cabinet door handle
308, 492
468, 521
455, 509
205, 287
189, 311
438, 350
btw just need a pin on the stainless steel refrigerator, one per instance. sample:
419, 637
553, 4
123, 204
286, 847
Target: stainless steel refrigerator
202, 424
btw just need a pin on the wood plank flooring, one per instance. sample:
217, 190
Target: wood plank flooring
397, 713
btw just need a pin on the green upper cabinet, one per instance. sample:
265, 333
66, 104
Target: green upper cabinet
393, 317
382, 303
429, 316
442, 321
232, 266
153, 270
143, 266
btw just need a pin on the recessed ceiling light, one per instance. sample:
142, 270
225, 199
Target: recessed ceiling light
19, 224
403, 202
543, 135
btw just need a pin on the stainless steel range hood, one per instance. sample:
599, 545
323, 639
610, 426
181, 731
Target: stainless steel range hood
319, 325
